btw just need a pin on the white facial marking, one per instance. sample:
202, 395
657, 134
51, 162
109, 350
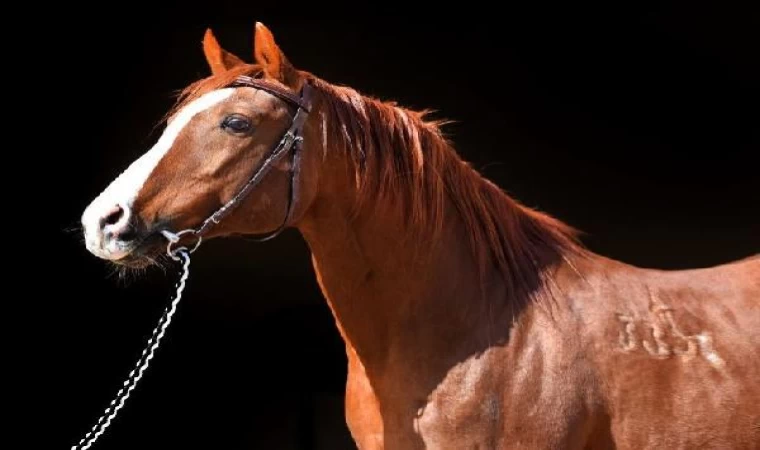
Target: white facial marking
122, 192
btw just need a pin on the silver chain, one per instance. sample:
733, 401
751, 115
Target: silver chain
288, 141
142, 363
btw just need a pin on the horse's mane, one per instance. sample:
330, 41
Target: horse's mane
401, 156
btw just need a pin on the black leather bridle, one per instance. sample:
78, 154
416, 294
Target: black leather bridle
291, 140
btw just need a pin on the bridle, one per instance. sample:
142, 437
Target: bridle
291, 140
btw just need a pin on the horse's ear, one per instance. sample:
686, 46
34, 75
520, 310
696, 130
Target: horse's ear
270, 57
219, 59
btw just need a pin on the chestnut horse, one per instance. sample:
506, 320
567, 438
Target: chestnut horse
470, 320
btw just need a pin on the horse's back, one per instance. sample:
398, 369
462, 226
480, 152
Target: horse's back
678, 354
725, 297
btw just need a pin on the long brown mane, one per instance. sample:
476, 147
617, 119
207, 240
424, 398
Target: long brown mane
402, 157
399, 155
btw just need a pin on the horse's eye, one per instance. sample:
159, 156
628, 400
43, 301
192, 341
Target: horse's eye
236, 124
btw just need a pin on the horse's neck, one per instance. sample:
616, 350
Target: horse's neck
393, 297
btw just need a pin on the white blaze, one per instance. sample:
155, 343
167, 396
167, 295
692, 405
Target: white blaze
124, 189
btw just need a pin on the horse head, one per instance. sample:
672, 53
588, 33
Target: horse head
231, 150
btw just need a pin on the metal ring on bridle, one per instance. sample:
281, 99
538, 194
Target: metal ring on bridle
174, 238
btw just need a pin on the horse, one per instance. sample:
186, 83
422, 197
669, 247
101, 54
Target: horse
470, 320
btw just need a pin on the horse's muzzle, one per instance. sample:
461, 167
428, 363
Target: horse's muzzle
110, 232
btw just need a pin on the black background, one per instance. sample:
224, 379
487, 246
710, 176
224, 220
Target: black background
637, 125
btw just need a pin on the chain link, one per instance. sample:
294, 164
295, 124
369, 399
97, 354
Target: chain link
142, 363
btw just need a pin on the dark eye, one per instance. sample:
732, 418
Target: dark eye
237, 124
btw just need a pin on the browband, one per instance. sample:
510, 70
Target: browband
274, 89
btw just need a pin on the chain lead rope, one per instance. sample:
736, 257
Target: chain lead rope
291, 140
142, 363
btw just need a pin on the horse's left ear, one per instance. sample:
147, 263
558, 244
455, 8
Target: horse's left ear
270, 57
218, 59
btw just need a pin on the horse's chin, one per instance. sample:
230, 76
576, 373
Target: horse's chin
148, 253
136, 261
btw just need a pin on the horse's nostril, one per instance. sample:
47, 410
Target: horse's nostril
126, 234
113, 216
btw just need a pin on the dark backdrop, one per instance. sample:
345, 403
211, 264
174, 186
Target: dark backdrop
638, 126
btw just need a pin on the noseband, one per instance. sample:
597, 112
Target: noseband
291, 140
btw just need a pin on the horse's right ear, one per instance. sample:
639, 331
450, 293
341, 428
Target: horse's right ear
219, 59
